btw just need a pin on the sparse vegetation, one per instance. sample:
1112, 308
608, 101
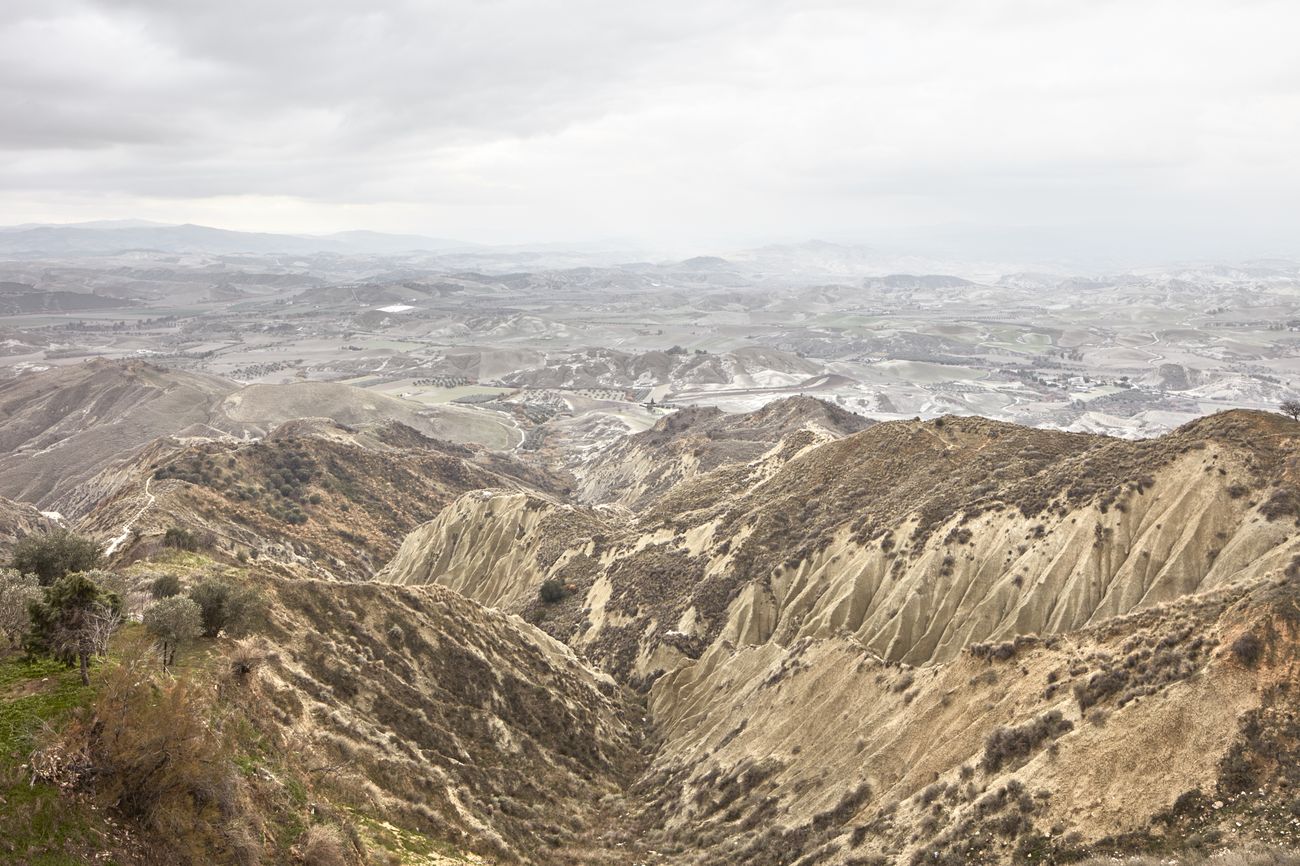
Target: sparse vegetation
1008, 745
322, 845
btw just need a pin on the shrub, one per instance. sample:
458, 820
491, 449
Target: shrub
225, 608
17, 592
55, 554
322, 845
179, 538
154, 755
165, 586
1005, 745
552, 590
173, 621
1247, 649
1284, 502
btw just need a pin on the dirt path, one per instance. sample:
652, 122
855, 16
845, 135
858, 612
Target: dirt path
122, 536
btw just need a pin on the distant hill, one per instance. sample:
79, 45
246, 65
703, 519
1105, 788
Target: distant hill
119, 236
62, 427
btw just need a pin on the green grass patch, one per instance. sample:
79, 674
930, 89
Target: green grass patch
39, 826
414, 849
33, 693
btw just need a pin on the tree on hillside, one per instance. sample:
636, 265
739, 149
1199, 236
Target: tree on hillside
174, 621
1291, 407
17, 592
55, 554
73, 621
165, 586
225, 607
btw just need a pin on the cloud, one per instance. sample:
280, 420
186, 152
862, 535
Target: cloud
508, 120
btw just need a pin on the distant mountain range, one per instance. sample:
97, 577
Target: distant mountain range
116, 236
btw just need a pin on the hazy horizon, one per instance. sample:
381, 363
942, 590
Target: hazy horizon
1138, 132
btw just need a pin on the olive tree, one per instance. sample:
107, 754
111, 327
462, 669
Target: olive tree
174, 621
17, 592
73, 621
54, 554
232, 609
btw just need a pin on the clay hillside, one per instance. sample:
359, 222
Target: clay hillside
313, 498
951, 641
783, 637
637, 469
62, 426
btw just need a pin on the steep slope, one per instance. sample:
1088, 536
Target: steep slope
1015, 644
17, 520
1151, 732
315, 498
459, 721
414, 722
639, 468
59, 427
918, 538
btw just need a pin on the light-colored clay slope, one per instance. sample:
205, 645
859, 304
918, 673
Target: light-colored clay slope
821, 749
831, 636
18, 520
637, 469
917, 539
61, 426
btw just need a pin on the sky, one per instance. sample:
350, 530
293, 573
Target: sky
1008, 127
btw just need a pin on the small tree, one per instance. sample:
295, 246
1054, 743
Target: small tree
72, 622
173, 622
225, 607
17, 592
1292, 408
165, 586
55, 554
180, 538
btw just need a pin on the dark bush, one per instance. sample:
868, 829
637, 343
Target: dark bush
1006, 745
55, 554
179, 538
165, 586
1284, 502
552, 590
225, 608
1247, 649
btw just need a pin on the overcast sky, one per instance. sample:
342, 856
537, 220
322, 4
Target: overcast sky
1164, 127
